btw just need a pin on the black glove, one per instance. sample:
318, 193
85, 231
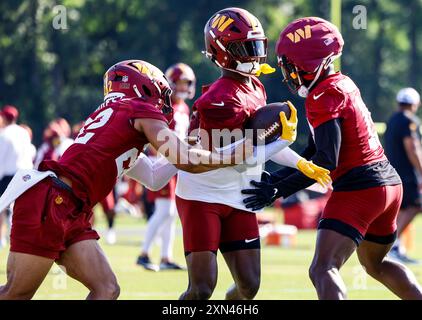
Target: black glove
266, 177
264, 195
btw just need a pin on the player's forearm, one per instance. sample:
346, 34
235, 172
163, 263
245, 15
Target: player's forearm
307, 154
414, 154
263, 153
293, 183
199, 161
328, 143
286, 157
298, 181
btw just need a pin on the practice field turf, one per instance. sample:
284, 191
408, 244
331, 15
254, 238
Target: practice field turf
284, 270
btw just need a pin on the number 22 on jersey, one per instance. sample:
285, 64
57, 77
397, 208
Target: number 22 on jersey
126, 159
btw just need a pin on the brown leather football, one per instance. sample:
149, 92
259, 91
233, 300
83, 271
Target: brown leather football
264, 125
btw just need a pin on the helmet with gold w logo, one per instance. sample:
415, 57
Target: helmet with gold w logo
137, 78
235, 40
305, 48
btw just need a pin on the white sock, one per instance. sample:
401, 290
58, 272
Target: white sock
159, 217
167, 232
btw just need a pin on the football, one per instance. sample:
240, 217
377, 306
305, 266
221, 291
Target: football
264, 125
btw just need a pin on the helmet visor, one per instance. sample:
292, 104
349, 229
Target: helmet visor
248, 49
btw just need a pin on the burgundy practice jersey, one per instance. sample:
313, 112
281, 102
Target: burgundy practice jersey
337, 96
106, 147
227, 104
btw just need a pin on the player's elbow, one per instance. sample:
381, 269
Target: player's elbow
331, 166
327, 162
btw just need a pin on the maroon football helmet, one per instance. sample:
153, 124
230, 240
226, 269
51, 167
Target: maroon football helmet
235, 40
305, 48
179, 72
137, 78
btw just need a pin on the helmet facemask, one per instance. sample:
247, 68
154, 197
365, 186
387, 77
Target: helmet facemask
249, 55
165, 101
299, 81
290, 73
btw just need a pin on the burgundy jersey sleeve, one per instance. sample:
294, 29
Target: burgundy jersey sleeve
141, 110
323, 106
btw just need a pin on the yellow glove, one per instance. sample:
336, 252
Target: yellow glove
289, 126
265, 68
321, 175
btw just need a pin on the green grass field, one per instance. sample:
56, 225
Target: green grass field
284, 270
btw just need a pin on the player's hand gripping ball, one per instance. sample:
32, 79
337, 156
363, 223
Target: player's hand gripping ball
275, 120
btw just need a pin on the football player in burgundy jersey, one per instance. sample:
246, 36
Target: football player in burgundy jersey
361, 212
210, 205
51, 216
182, 81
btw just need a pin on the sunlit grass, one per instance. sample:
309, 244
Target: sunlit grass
284, 276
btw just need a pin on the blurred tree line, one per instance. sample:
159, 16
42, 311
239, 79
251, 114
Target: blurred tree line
48, 72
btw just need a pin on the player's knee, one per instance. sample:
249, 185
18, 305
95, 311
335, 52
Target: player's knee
202, 292
8, 293
250, 289
317, 271
109, 290
371, 268
113, 290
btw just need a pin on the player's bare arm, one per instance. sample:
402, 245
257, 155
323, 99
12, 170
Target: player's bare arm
185, 157
414, 152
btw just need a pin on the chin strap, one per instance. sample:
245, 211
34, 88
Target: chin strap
303, 91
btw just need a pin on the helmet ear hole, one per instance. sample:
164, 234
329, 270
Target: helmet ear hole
146, 90
214, 50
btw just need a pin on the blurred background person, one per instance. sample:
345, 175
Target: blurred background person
56, 140
2, 239
108, 205
51, 139
1, 122
403, 149
162, 223
14, 145
65, 140
32, 150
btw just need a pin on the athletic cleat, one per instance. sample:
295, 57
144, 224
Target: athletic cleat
395, 254
147, 264
171, 266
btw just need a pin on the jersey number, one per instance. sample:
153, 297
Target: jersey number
126, 159
373, 141
85, 134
